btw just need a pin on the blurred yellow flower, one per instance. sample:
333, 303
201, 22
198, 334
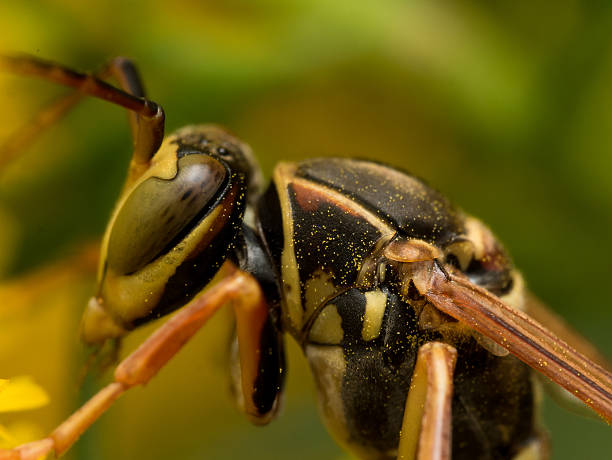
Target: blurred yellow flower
16, 394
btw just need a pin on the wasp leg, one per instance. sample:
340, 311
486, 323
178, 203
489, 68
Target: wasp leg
261, 353
259, 398
426, 429
258, 395
247, 299
147, 119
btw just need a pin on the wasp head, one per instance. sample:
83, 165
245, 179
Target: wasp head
171, 230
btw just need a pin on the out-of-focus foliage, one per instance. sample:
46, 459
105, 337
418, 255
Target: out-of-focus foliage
504, 106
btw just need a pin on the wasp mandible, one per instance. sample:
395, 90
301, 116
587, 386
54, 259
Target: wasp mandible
416, 325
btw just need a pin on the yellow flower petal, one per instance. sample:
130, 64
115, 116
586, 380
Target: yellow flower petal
3, 383
21, 393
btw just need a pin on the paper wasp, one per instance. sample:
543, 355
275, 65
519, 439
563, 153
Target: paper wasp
406, 308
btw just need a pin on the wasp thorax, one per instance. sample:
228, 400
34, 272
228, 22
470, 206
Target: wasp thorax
409, 259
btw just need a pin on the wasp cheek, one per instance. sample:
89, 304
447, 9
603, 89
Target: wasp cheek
97, 325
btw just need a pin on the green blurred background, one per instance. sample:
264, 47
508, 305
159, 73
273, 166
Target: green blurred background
504, 106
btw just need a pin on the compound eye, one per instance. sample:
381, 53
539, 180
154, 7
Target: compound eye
159, 213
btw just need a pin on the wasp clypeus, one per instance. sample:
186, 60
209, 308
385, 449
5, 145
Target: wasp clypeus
414, 321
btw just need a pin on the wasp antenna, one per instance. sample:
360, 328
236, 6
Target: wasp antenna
25, 135
87, 83
147, 119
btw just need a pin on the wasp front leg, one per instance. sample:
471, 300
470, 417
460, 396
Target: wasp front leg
240, 289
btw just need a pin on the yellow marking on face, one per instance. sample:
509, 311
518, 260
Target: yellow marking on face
376, 303
327, 328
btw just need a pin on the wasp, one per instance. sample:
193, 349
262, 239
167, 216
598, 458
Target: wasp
417, 327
